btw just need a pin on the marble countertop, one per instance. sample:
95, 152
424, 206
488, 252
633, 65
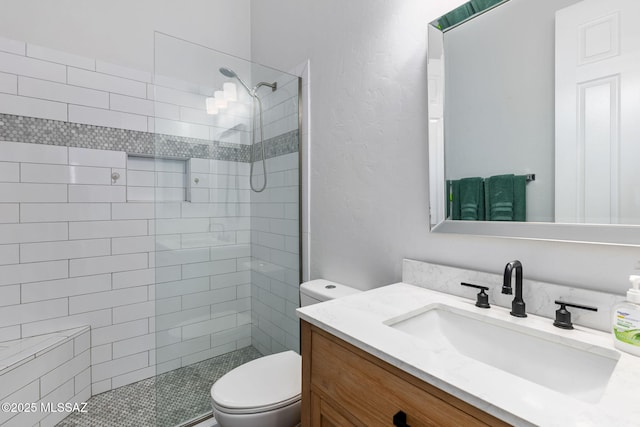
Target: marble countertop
359, 320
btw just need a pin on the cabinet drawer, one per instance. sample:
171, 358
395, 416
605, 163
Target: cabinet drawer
326, 415
372, 391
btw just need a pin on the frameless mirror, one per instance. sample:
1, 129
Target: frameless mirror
533, 108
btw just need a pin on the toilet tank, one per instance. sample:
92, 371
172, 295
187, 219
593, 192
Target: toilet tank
319, 290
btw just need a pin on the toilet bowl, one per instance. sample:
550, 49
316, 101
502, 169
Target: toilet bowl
266, 391
263, 392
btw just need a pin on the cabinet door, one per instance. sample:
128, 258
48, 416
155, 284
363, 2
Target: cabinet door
345, 386
325, 415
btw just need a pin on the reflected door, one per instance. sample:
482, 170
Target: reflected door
597, 129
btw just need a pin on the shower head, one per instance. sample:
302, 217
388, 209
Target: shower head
228, 72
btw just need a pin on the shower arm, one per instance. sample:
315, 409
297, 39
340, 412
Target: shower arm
273, 86
228, 72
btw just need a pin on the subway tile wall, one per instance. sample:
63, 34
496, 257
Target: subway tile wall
81, 252
275, 255
165, 263
42, 83
45, 371
275, 229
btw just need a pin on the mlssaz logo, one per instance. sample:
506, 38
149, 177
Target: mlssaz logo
64, 407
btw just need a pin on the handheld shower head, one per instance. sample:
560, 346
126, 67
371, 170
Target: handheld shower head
228, 72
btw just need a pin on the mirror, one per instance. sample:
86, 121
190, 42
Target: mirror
537, 97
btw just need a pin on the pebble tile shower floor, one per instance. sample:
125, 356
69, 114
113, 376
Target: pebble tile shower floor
181, 395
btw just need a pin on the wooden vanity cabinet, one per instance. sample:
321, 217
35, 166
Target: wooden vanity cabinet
344, 386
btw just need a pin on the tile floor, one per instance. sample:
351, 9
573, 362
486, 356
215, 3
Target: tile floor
181, 395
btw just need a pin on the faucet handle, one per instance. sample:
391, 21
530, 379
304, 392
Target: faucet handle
563, 316
482, 299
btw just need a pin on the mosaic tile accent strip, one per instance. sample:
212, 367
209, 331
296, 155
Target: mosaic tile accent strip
181, 395
54, 132
278, 146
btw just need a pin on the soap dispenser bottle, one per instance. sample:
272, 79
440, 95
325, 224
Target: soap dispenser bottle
626, 320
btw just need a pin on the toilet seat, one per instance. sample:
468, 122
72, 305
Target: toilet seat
262, 385
255, 410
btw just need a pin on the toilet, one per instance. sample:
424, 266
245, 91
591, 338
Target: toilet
266, 392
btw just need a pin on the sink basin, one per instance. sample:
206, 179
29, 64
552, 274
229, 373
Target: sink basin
566, 365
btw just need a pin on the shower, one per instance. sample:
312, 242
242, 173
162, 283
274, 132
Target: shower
227, 72
172, 313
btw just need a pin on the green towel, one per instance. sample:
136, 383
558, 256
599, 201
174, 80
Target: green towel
505, 198
520, 198
456, 16
472, 199
466, 199
464, 12
454, 200
480, 5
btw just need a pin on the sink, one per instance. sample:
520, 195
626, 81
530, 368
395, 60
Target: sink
558, 363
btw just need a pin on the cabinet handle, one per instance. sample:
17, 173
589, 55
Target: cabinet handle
400, 420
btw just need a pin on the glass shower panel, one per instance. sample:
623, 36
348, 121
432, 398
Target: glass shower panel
227, 258
275, 224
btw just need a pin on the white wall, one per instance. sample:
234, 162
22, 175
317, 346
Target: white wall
122, 31
369, 177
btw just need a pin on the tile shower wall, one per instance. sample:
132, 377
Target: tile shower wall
275, 232
202, 267
80, 248
76, 252
45, 371
68, 252
39, 82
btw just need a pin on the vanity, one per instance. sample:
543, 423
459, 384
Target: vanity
406, 355
346, 386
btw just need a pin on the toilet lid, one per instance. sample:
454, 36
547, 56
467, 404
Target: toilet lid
263, 384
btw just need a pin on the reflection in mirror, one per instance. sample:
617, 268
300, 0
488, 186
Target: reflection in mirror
536, 87
464, 13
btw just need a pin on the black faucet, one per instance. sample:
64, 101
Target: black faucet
517, 306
